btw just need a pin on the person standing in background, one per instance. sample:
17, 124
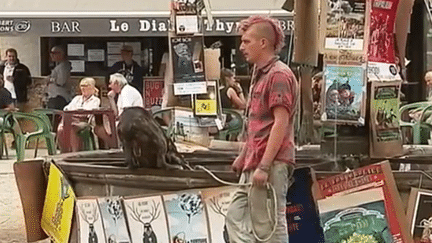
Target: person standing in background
129, 68
17, 77
59, 88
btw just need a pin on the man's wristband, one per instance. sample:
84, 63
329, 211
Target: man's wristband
264, 168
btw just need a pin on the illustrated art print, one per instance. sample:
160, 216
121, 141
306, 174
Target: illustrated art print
355, 217
58, 207
188, 58
146, 219
114, 220
186, 217
344, 94
89, 221
382, 21
345, 24
217, 201
385, 140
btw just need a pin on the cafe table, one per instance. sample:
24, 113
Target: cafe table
98, 113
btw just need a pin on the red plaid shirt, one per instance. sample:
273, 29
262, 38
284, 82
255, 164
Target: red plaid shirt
272, 85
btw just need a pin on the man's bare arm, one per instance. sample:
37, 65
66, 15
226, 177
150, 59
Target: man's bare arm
277, 135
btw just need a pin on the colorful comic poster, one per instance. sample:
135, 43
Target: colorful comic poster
217, 201
344, 94
90, 225
188, 58
420, 215
355, 217
301, 212
385, 140
186, 217
371, 176
378, 71
114, 220
58, 207
381, 40
345, 25
146, 219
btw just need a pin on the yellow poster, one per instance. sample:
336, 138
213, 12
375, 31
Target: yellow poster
58, 207
205, 107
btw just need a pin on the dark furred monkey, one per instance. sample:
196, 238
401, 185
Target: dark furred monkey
145, 143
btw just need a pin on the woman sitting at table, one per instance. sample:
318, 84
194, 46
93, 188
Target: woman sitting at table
86, 101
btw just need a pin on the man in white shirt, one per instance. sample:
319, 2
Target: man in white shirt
128, 97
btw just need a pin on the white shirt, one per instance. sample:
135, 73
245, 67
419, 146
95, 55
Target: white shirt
78, 103
129, 97
8, 71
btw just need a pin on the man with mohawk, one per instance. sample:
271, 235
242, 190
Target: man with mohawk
268, 154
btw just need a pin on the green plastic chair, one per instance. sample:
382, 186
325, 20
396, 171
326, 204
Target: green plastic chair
43, 129
54, 116
233, 128
421, 128
87, 138
4, 129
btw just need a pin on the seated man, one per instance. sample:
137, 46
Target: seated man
128, 96
86, 101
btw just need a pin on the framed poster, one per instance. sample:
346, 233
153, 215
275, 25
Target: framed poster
217, 201
355, 217
344, 94
419, 214
345, 25
146, 219
385, 138
188, 58
90, 225
186, 217
114, 220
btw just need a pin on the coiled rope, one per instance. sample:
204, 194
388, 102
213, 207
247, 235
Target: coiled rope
269, 213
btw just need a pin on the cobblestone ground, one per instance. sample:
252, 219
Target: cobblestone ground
12, 228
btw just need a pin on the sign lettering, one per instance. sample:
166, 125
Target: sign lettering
72, 26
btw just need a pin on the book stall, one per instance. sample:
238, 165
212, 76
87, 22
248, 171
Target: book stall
93, 197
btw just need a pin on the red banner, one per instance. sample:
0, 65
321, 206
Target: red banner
382, 23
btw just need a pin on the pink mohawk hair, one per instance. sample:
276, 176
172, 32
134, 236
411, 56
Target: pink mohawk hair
255, 19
